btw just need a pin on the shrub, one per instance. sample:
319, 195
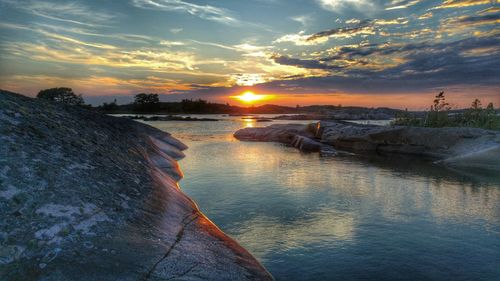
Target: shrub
146, 102
109, 106
62, 95
478, 117
440, 116
406, 118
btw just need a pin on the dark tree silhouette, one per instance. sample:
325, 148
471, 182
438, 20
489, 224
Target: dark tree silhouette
440, 103
62, 95
109, 106
146, 102
476, 104
146, 99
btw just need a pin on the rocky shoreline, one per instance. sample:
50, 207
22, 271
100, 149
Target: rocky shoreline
455, 147
84, 196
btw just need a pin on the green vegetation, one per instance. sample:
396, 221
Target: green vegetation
62, 95
441, 115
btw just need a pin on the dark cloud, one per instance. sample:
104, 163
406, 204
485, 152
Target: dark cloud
454, 62
362, 27
116, 48
311, 64
428, 65
483, 19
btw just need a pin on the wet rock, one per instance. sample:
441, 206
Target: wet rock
306, 144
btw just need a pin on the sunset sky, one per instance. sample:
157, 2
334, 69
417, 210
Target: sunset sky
395, 53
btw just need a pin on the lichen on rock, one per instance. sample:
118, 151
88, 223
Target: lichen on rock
84, 196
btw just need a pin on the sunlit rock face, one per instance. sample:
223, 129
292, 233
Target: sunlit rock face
297, 135
85, 196
458, 147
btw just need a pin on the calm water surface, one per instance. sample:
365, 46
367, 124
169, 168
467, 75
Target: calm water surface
307, 217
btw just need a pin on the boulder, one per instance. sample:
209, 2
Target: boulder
296, 135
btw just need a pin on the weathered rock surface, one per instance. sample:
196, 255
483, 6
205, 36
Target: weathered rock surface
306, 144
85, 196
296, 135
277, 132
461, 147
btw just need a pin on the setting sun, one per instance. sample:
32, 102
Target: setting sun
250, 97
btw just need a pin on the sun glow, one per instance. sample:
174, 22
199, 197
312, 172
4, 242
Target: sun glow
250, 97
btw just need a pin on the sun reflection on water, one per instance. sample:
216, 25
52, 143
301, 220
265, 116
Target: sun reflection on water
248, 122
295, 211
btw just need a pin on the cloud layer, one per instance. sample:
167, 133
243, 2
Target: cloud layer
207, 12
212, 49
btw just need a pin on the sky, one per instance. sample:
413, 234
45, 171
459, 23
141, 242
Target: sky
397, 53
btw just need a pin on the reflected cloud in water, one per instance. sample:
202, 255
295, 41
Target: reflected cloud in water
331, 227
305, 213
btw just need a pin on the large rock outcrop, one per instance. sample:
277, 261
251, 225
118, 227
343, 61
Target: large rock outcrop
296, 135
460, 147
85, 196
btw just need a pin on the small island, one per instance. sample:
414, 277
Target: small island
462, 139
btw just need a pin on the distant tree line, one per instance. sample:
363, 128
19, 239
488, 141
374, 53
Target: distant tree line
439, 115
150, 103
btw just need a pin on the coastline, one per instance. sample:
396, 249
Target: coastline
108, 206
469, 148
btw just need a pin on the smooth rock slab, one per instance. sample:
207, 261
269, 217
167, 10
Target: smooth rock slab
84, 196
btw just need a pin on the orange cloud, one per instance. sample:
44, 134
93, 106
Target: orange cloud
463, 3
